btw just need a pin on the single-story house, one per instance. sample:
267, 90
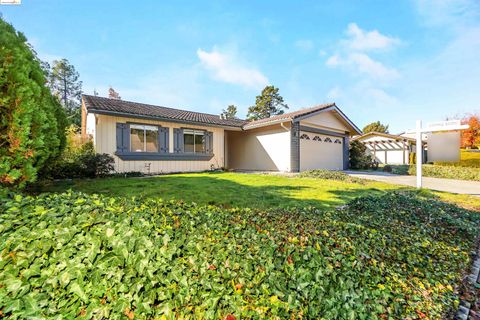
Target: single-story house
155, 139
388, 148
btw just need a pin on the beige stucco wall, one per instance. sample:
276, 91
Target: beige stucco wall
264, 149
105, 142
327, 121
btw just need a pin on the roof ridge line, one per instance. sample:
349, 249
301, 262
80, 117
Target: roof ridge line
158, 106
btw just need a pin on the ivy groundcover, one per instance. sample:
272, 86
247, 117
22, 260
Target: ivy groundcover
72, 255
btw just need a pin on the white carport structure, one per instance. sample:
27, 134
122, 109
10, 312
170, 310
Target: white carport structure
388, 148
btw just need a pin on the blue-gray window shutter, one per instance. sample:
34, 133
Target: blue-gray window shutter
123, 137
178, 140
163, 139
208, 142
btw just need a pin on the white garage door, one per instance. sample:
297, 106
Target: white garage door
319, 151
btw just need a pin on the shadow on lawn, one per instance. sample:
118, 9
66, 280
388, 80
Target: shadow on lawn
215, 189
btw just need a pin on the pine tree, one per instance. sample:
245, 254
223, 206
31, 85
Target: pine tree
64, 82
229, 113
268, 103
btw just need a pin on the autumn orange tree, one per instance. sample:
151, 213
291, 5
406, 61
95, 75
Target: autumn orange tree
32, 121
471, 136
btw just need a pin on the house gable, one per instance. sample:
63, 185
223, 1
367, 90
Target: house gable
328, 120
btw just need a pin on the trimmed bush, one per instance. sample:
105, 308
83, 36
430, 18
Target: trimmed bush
448, 172
32, 121
85, 164
74, 255
387, 168
330, 175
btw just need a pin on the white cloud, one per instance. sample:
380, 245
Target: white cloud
334, 93
381, 97
226, 68
304, 45
334, 61
362, 40
363, 64
352, 54
450, 13
367, 65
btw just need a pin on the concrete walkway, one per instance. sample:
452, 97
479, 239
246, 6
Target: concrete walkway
448, 185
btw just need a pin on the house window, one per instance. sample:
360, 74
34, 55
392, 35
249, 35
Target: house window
194, 141
143, 138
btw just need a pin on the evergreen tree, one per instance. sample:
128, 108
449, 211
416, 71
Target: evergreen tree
268, 103
229, 113
64, 82
375, 127
32, 121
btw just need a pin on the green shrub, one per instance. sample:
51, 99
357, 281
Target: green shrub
448, 172
78, 160
128, 174
71, 255
330, 175
32, 121
387, 168
85, 165
359, 157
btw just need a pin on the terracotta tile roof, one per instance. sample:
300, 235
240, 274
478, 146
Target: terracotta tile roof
288, 116
102, 105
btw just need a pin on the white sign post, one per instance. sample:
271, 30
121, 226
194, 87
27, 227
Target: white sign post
419, 153
452, 125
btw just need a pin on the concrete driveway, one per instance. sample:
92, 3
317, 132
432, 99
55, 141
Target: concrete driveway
448, 185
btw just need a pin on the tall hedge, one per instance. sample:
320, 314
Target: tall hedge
32, 121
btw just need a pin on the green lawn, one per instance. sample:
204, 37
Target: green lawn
230, 189
468, 158
243, 190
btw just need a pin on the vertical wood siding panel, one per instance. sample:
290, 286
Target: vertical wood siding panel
106, 143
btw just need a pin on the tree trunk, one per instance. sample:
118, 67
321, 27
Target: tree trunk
65, 91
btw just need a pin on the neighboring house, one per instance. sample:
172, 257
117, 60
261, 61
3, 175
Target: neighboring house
388, 148
156, 139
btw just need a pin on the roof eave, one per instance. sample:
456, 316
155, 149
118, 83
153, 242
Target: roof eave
139, 116
332, 107
385, 135
265, 124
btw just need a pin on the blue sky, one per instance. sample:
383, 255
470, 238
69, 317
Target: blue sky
393, 61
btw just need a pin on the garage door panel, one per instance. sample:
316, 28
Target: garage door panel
320, 152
